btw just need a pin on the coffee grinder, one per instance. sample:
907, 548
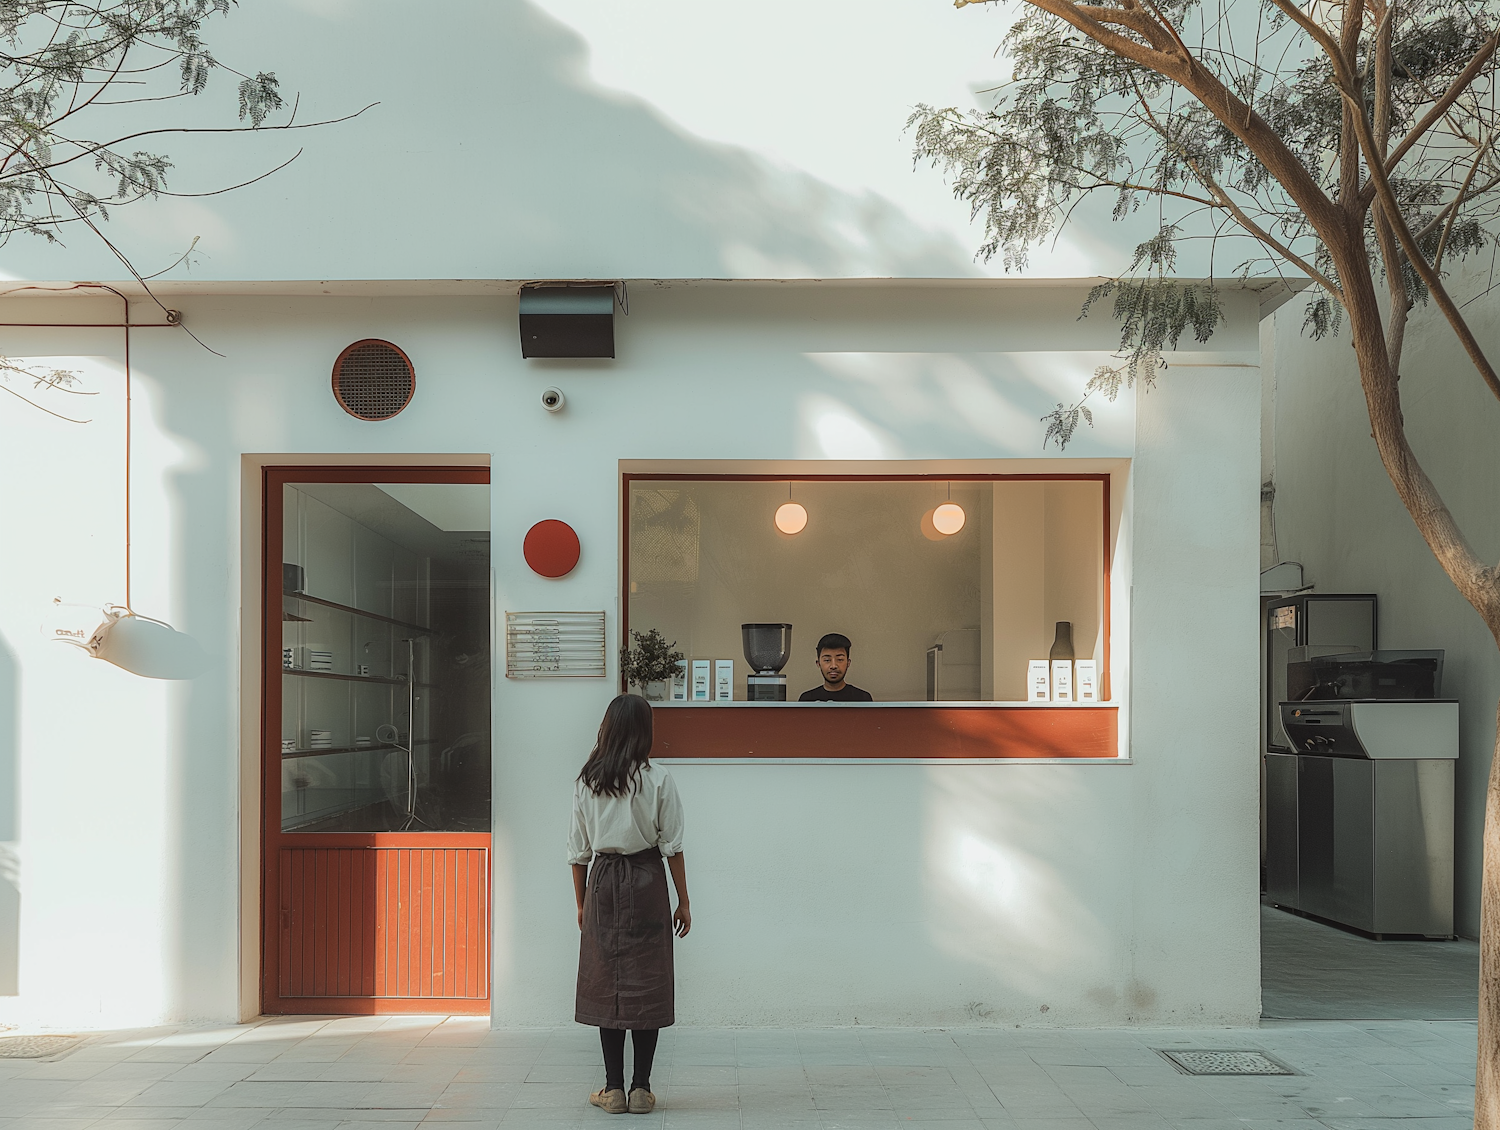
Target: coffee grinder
767, 648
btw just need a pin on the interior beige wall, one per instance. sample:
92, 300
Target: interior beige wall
1045, 563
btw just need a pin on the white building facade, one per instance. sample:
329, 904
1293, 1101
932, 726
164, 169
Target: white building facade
766, 339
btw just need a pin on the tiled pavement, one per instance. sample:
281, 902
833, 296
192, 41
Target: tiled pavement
1309, 970
398, 1073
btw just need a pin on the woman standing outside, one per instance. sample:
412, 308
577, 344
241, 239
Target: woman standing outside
626, 817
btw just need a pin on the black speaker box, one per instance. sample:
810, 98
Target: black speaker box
568, 321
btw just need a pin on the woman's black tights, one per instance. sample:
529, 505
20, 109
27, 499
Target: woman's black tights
613, 1042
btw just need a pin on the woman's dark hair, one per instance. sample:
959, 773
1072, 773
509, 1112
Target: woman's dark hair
622, 748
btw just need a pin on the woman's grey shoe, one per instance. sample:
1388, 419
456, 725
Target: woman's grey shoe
611, 1102
642, 1101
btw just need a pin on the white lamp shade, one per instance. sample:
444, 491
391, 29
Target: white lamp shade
948, 518
791, 517
147, 648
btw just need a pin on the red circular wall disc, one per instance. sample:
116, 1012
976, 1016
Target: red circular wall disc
551, 548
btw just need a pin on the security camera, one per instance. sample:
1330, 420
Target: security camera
553, 400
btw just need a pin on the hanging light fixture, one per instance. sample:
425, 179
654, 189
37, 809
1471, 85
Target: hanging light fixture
791, 517
145, 647
949, 517
132, 642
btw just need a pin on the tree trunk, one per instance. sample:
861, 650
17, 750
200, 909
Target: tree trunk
1478, 585
1487, 1077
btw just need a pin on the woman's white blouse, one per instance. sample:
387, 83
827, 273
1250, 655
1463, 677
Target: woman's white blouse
649, 815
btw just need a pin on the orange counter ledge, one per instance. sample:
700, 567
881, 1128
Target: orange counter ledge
918, 731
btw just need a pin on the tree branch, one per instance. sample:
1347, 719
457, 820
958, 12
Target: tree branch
1463, 189
1236, 114
1392, 209
1440, 107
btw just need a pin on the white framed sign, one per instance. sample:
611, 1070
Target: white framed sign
554, 645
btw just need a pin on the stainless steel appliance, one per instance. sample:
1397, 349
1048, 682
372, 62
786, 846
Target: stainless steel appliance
1363, 675
953, 667
767, 648
1359, 818
1343, 622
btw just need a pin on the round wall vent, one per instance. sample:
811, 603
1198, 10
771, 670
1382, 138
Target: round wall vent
373, 380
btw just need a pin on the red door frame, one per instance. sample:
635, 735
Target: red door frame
273, 840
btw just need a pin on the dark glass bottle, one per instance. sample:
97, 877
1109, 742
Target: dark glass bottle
1062, 646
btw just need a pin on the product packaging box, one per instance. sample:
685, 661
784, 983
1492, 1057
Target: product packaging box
679, 688
723, 680
701, 677
1086, 678
1062, 680
1038, 681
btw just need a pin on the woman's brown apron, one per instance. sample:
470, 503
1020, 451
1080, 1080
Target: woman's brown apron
625, 956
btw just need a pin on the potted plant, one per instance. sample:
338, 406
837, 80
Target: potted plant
650, 665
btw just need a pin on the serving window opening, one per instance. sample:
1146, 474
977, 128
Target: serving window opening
947, 589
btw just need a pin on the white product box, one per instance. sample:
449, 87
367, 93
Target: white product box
1038, 681
701, 678
724, 680
1062, 680
1086, 676
678, 691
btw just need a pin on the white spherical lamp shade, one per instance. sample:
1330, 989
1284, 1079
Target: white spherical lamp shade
948, 518
791, 517
147, 648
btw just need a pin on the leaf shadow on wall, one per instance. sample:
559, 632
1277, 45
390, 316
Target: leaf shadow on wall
492, 153
1016, 890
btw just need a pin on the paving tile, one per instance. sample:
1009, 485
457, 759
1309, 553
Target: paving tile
191, 1094
251, 1093
459, 1095
339, 1115
465, 1114
221, 1119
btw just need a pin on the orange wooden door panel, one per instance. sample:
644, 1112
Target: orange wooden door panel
392, 922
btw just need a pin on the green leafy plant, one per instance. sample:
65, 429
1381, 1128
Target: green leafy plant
652, 660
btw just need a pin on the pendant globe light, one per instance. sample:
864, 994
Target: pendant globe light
791, 517
948, 518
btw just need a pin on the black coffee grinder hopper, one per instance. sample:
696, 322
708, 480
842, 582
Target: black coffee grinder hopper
767, 648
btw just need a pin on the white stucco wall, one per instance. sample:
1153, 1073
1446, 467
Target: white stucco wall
577, 138
823, 894
1338, 514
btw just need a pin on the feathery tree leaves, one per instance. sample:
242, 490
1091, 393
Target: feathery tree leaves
82, 87
1082, 118
61, 64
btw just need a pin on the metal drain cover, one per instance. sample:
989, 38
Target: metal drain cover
35, 1047
1224, 1061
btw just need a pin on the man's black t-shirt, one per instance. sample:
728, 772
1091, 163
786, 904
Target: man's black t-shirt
846, 693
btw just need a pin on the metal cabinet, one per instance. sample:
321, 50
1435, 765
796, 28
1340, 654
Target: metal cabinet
1363, 842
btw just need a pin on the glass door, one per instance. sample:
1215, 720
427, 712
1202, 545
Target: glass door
377, 758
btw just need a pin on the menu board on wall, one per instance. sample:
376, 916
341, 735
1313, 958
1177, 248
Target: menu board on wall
554, 645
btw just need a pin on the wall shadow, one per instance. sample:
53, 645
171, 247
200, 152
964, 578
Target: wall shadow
10, 823
492, 154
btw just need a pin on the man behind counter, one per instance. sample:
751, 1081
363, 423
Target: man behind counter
833, 662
